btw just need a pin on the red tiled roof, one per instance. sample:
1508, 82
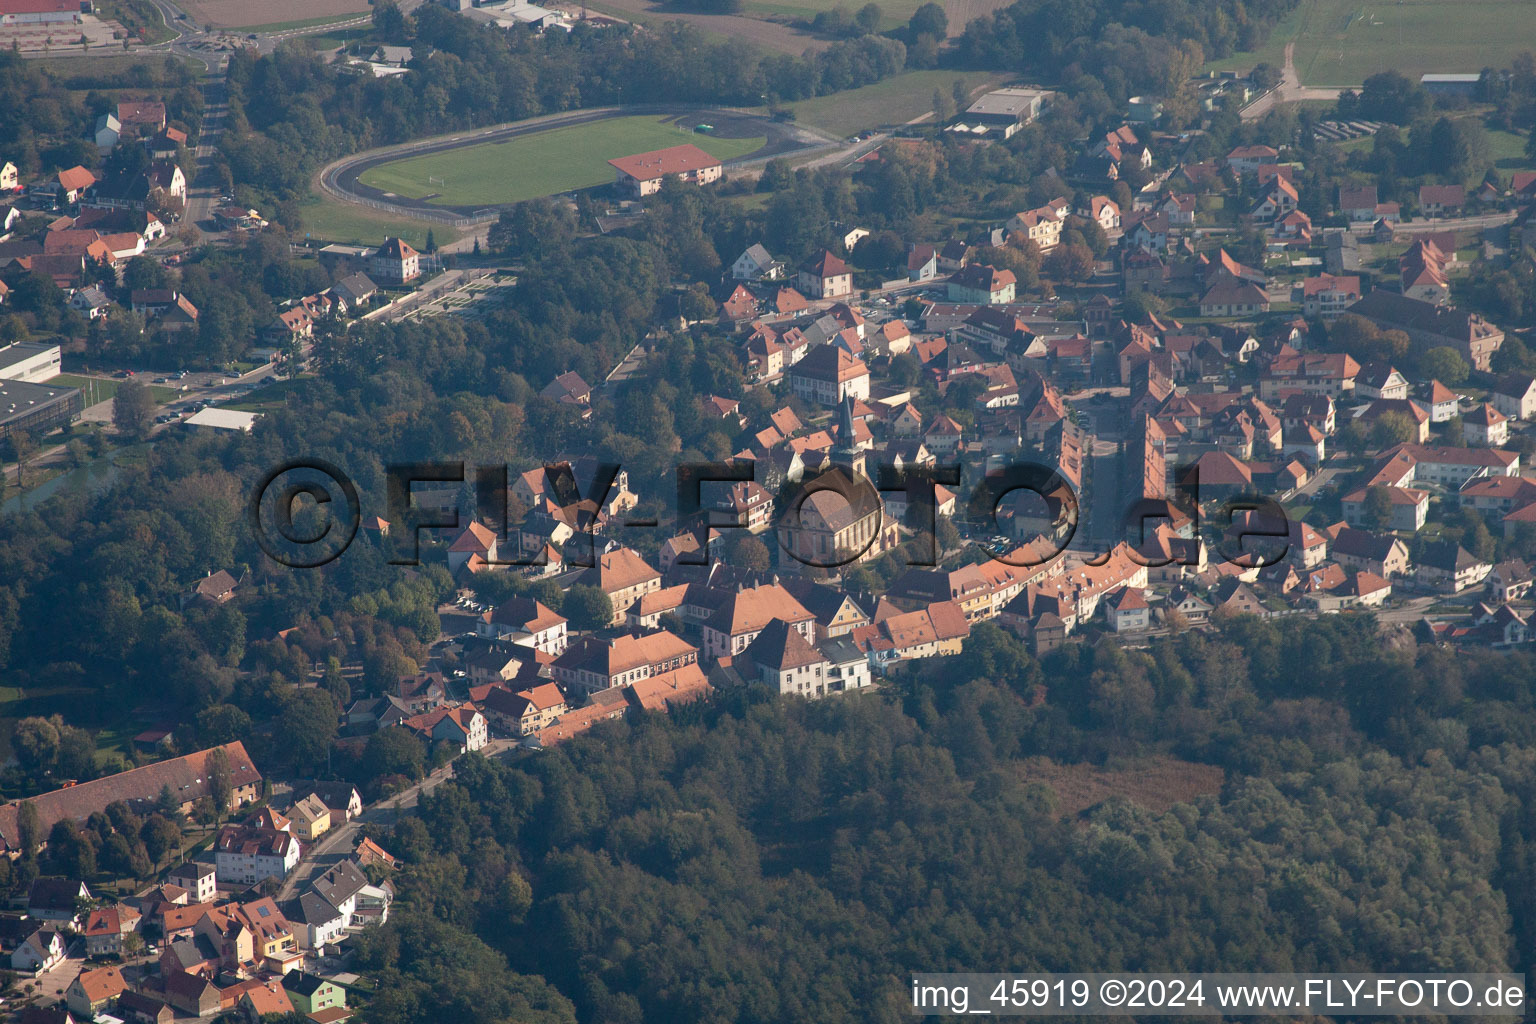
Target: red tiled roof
672, 160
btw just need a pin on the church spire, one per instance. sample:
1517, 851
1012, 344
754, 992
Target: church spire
846, 453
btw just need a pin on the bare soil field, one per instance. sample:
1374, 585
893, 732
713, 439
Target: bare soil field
246, 13
1156, 783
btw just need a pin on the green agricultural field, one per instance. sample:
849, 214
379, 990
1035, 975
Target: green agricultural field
894, 101
539, 165
1343, 42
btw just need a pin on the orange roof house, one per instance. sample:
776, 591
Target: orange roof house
643, 173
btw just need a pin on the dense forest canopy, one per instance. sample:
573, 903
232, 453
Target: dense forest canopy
770, 860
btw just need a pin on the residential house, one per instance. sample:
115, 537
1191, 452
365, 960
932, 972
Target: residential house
1382, 554
825, 277
57, 900
1450, 568
786, 661
755, 264
1514, 396
980, 284
525, 621
72, 184
1178, 207
312, 994
106, 927
1381, 380
1279, 200
198, 878
1040, 226
192, 994
1485, 426
1409, 508
1441, 200
476, 542
524, 712
356, 290
939, 629
245, 856
1358, 203
1410, 411
1453, 467
624, 576
311, 818
1444, 405
264, 1000
1497, 494
828, 375
922, 263
1128, 610
395, 264
1231, 297
90, 302
1247, 159
736, 621
38, 952
1509, 581
92, 991
1327, 296
317, 923
1103, 211
144, 117
107, 131
462, 727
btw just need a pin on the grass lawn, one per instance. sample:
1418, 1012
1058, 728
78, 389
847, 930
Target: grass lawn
340, 37
341, 222
99, 389
539, 165
1343, 42
1507, 150
894, 101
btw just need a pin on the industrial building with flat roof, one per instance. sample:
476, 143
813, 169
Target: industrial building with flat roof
1007, 109
36, 408
29, 361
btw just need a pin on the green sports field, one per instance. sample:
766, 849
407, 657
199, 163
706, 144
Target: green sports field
1343, 42
538, 165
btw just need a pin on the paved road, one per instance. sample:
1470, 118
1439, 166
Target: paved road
1322, 477
1290, 90
1412, 610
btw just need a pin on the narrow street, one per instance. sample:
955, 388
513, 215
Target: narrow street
337, 844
